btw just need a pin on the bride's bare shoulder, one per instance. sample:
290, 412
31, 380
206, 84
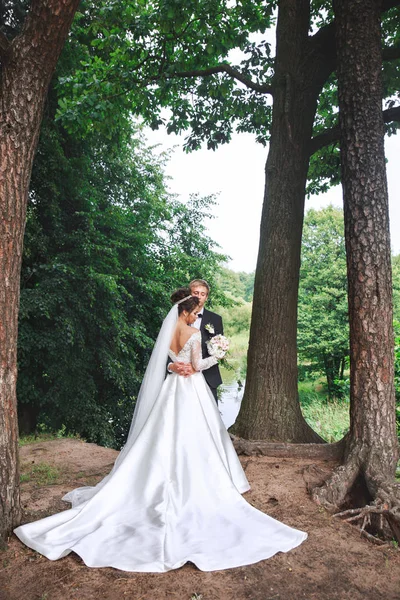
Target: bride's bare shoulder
195, 334
186, 334
190, 332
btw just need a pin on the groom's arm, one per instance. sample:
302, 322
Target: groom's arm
180, 368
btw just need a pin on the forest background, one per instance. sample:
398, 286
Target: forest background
106, 242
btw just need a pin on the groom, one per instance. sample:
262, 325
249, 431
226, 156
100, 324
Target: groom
209, 324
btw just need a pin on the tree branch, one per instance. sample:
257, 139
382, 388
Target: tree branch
4, 44
225, 68
324, 38
324, 139
391, 114
390, 53
332, 135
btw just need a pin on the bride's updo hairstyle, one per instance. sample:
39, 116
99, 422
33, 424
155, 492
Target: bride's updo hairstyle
189, 304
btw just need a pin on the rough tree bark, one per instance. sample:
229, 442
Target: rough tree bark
27, 64
371, 447
270, 409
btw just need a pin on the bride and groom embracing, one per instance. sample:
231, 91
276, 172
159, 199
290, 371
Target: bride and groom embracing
174, 494
209, 324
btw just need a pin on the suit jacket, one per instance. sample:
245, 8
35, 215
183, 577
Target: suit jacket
211, 375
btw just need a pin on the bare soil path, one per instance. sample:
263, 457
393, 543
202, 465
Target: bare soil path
335, 563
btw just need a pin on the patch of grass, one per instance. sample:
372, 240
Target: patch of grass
237, 355
330, 419
41, 474
310, 389
46, 436
33, 438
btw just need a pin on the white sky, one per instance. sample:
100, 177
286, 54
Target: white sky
236, 172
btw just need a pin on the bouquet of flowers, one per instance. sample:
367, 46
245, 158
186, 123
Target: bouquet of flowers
218, 346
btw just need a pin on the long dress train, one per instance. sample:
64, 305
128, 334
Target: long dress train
176, 497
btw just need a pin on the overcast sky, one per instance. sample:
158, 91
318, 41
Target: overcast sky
236, 172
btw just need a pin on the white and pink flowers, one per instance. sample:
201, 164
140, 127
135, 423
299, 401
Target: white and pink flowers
218, 346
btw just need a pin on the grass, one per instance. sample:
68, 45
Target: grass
24, 440
330, 419
40, 474
45, 436
237, 355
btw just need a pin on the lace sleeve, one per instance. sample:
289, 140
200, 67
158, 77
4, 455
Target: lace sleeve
199, 363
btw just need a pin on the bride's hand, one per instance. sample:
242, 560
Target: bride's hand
181, 368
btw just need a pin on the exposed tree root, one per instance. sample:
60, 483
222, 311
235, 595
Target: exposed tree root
363, 497
363, 518
333, 452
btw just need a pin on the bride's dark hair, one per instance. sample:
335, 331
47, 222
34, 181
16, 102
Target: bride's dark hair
189, 304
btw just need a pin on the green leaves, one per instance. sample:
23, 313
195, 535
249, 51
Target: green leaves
323, 337
138, 52
105, 246
145, 56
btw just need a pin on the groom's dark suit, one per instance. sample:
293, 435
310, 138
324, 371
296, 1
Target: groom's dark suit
211, 375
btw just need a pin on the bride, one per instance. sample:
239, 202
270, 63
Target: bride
174, 492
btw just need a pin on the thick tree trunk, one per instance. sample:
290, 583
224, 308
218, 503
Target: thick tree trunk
372, 447
27, 64
270, 409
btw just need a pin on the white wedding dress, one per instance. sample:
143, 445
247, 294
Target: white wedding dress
174, 497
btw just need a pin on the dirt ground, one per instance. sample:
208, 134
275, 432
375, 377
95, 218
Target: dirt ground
333, 563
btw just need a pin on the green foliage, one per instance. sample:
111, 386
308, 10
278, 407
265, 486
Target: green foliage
149, 55
397, 373
396, 287
237, 328
330, 421
236, 318
323, 338
140, 50
240, 285
105, 245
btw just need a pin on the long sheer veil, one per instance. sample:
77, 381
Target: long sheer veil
148, 393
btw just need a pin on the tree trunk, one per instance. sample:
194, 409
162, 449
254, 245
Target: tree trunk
372, 446
342, 366
332, 366
27, 64
270, 409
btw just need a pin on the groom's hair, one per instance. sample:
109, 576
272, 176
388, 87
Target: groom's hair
202, 282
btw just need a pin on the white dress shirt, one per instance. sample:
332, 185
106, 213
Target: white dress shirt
197, 322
